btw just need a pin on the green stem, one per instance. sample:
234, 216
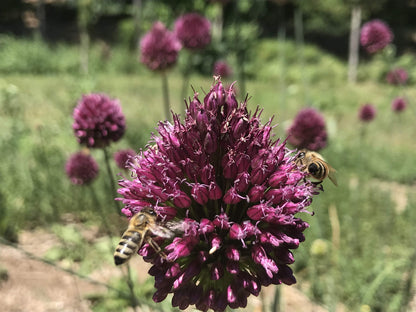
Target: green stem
113, 187
186, 77
165, 90
277, 299
134, 302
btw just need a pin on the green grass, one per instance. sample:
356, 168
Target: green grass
375, 243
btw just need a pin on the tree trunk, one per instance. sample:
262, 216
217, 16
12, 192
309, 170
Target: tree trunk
137, 15
354, 46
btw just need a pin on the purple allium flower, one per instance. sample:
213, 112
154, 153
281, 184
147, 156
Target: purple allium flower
193, 30
159, 48
81, 168
98, 120
367, 112
308, 130
121, 157
236, 195
398, 104
221, 68
397, 76
375, 36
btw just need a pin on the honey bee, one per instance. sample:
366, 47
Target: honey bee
314, 164
141, 228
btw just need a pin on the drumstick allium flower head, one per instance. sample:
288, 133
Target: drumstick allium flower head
193, 30
367, 112
308, 130
122, 157
98, 120
236, 194
397, 76
375, 36
398, 104
81, 168
159, 48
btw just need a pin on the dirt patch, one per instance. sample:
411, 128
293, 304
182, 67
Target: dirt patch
38, 287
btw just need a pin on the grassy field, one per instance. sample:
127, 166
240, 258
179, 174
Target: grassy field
359, 247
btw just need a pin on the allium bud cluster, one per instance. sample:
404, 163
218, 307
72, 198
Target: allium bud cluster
367, 112
159, 48
98, 120
308, 130
193, 30
375, 36
81, 168
236, 195
397, 76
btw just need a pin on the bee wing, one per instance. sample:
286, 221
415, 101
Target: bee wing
332, 177
161, 231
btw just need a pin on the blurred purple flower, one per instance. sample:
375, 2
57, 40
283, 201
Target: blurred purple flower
367, 112
122, 156
308, 130
98, 120
236, 194
193, 30
81, 168
398, 104
159, 48
221, 68
375, 36
397, 76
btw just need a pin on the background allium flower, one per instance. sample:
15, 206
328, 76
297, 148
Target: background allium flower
159, 48
375, 36
308, 130
367, 112
81, 168
221, 68
399, 104
236, 193
98, 120
193, 30
122, 156
397, 76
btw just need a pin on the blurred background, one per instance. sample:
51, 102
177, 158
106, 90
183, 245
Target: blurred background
57, 236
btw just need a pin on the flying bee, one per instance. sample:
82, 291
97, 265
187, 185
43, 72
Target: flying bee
314, 164
142, 226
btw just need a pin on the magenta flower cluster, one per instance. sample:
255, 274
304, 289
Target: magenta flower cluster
222, 69
122, 157
308, 130
236, 194
397, 76
367, 112
375, 36
193, 30
159, 48
81, 168
399, 104
98, 121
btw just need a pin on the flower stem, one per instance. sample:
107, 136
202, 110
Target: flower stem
165, 90
113, 188
186, 76
276, 301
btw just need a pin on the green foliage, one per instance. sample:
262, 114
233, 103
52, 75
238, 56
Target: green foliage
36, 57
267, 63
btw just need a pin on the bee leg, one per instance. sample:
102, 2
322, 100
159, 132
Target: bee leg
156, 247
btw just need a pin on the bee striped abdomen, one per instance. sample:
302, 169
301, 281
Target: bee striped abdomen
128, 245
317, 170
